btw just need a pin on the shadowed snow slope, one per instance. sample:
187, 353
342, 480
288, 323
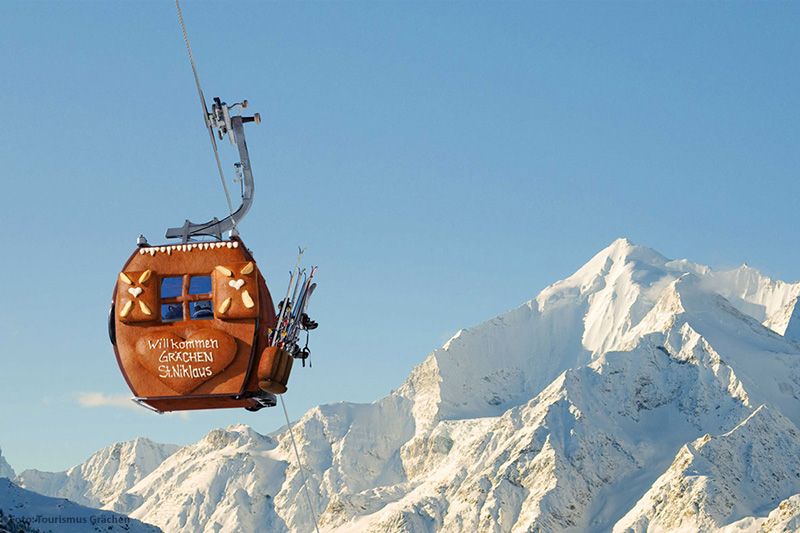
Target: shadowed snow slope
34, 512
639, 394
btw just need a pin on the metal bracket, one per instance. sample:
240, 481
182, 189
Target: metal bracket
140, 402
220, 118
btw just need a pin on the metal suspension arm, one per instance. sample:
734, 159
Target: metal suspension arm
233, 126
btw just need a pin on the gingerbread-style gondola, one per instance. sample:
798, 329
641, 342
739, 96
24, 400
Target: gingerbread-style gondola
193, 324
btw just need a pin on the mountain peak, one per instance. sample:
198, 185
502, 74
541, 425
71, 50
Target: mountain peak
621, 255
624, 293
57, 514
101, 478
623, 249
234, 435
5, 468
621, 243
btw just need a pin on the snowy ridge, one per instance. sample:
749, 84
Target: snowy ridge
43, 513
727, 477
225, 482
785, 517
770, 302
639, 394
104, 476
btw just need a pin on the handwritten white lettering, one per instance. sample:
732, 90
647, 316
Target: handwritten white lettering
183, 358
183, 371
194, 344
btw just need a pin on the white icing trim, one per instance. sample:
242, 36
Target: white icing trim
153, 250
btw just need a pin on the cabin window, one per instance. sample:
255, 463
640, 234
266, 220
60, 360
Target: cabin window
171, 312
171, 287
200, 285
186, 298
201, 310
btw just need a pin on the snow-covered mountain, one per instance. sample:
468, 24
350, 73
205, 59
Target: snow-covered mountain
104, 476
34, 512
226, 482
639, 394
5, 468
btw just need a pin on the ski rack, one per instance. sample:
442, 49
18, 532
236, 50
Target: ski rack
220, 118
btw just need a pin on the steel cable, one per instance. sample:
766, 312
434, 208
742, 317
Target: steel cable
205, 116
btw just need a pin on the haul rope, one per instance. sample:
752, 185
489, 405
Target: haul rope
299, 464
205, 116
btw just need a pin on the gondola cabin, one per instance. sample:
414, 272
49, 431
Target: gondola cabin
190, 325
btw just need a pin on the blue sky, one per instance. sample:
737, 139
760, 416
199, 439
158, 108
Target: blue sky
442, 162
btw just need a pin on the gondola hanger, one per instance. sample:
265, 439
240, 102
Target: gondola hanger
225, 122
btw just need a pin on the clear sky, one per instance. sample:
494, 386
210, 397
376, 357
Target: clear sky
442, 161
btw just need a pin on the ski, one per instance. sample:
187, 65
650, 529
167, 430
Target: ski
276, 333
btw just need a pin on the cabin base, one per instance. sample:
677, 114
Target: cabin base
250, 400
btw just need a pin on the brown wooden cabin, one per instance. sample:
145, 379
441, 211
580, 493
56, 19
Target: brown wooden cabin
189, 324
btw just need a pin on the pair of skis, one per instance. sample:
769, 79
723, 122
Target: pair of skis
293, 315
